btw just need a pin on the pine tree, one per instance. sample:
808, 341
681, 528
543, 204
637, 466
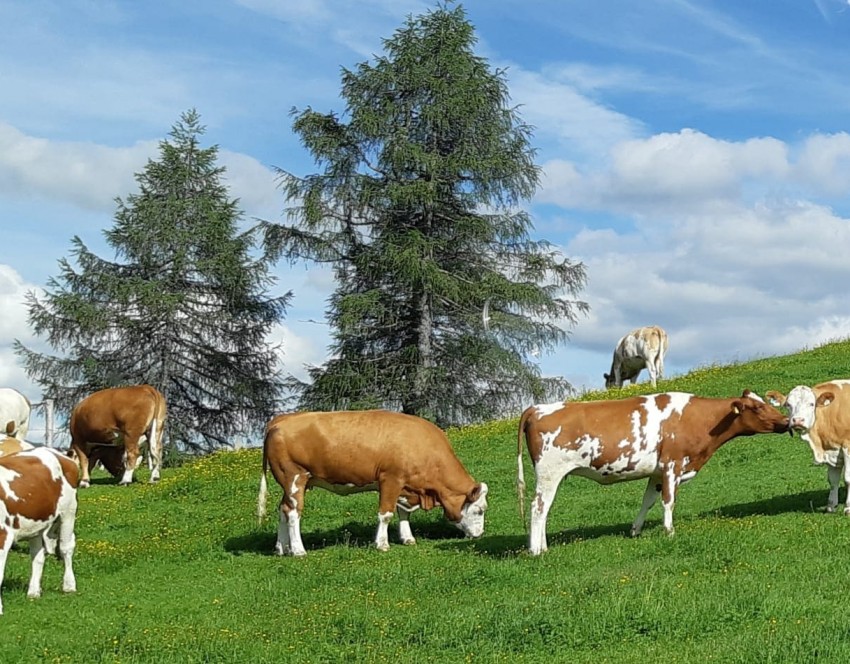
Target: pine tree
183, 307
418, 209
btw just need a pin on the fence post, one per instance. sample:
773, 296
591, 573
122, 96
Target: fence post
48, 422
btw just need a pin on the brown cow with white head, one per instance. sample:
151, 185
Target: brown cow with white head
408, 460
665, 437
38, 502
821, 415
119, 416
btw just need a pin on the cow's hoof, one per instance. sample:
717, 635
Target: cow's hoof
84, 484
635, 532
300, 553
382, 546
829, 509
34, 595
847, 511
408, 542
71, 589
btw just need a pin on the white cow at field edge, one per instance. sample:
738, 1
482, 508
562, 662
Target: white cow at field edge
14, 407
642, 347
821, 414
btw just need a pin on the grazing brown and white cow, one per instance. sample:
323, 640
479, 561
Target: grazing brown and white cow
38, 502
641, 348
821, 414
15, 407
119, 416
408, 460
665, 437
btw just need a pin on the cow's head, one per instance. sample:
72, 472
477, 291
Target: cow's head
472, 513
609, 380
757, 416
802, 404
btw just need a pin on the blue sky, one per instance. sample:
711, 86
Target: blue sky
695, 153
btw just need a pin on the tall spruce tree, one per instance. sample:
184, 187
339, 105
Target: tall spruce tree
184, 306
417, 208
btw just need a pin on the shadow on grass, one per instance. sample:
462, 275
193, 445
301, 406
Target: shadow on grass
505, 546
353, 534
807, 501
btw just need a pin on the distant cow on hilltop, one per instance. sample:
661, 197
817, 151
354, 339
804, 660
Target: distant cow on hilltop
642, 347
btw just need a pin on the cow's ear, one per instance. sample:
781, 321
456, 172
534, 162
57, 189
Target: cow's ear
775, 398
606, 376
476, 492
737, 406
825, 399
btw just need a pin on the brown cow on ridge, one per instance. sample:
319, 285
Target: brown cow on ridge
38, 502
666, 437
119, 416
408, 460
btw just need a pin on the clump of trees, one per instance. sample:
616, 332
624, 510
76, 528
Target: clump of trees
183, 305
442, 298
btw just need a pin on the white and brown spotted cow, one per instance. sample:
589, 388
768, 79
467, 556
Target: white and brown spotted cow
644, 347
665, 437
119, 416
15, 407
38, 502
408, 460
821, 414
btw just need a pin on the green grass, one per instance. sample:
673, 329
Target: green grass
181, 571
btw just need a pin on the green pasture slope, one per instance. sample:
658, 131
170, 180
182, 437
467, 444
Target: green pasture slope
182, 572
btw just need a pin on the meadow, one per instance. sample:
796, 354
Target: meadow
181, 571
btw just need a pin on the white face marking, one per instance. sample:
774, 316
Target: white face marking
544, 409
801, 407
472, 515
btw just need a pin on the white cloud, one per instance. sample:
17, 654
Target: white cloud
82, 174
557, 110
824, 163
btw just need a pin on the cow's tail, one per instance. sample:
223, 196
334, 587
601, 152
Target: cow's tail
263, 495
157, 430
520, 478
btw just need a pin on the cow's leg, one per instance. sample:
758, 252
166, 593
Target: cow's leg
282, 546
6, 539
292, 507
404, 531
548, 480
67, 544
653, 488
845, 462
389, 491
669, 487
131, 457
154, 451
618, 376
833, 476
37, 554
653, 373
83, 460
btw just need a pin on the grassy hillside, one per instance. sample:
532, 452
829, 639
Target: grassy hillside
181, 571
